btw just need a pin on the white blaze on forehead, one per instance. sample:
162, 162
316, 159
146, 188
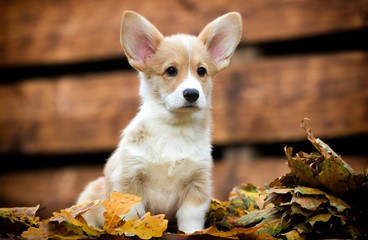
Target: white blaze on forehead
187, 45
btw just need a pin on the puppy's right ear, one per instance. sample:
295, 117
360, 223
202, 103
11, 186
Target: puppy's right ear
139, 39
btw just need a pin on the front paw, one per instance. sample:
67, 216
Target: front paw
129, 235
190, 228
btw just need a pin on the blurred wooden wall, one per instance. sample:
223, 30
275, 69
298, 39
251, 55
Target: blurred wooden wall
257, 99
66, 87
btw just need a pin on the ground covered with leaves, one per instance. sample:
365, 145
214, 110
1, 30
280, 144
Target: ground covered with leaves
320, 198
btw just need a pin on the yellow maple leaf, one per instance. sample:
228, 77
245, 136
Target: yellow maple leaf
146, 227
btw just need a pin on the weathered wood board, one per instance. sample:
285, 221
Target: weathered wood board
38, 32
52, 115
259, 101
265, 101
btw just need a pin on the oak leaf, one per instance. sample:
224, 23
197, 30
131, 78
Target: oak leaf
26, 215
75, 212
146, 227
118, 204
38, 233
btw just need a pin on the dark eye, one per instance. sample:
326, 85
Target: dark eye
201, 71
171, 71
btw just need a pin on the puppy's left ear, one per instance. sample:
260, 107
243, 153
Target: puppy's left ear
221, 37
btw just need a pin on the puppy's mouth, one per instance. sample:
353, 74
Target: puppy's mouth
187, 107
190, 105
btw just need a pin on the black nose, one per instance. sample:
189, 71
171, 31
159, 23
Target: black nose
191, 94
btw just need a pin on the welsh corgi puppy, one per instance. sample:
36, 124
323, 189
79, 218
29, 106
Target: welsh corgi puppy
164, 155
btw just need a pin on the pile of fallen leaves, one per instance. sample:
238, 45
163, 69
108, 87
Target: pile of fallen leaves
70, 224
322, 197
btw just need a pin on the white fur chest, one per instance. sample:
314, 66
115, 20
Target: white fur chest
155, 140
164, 183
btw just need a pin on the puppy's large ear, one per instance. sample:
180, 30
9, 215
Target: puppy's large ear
139, 39
221, 37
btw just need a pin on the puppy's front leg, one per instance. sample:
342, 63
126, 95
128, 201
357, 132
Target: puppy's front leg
195, 201
191, 218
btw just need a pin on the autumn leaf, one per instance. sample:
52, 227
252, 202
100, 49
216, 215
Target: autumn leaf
217, 211
146, 227
55, 230
26, 215
339, 204
246, 233
322, 147
308, 202
78, 222
118, 204
311, 138
303, 171
38, 233
72, 218
322, 217
243, 199
293, 235
74, 212
334, 177
67, 231
213, 233
278, 196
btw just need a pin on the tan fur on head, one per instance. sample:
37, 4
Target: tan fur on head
164, 155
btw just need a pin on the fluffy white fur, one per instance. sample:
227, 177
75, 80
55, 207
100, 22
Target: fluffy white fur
164, 155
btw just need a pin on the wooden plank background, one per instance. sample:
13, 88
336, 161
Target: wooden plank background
258, 99
261, 101
55, 32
